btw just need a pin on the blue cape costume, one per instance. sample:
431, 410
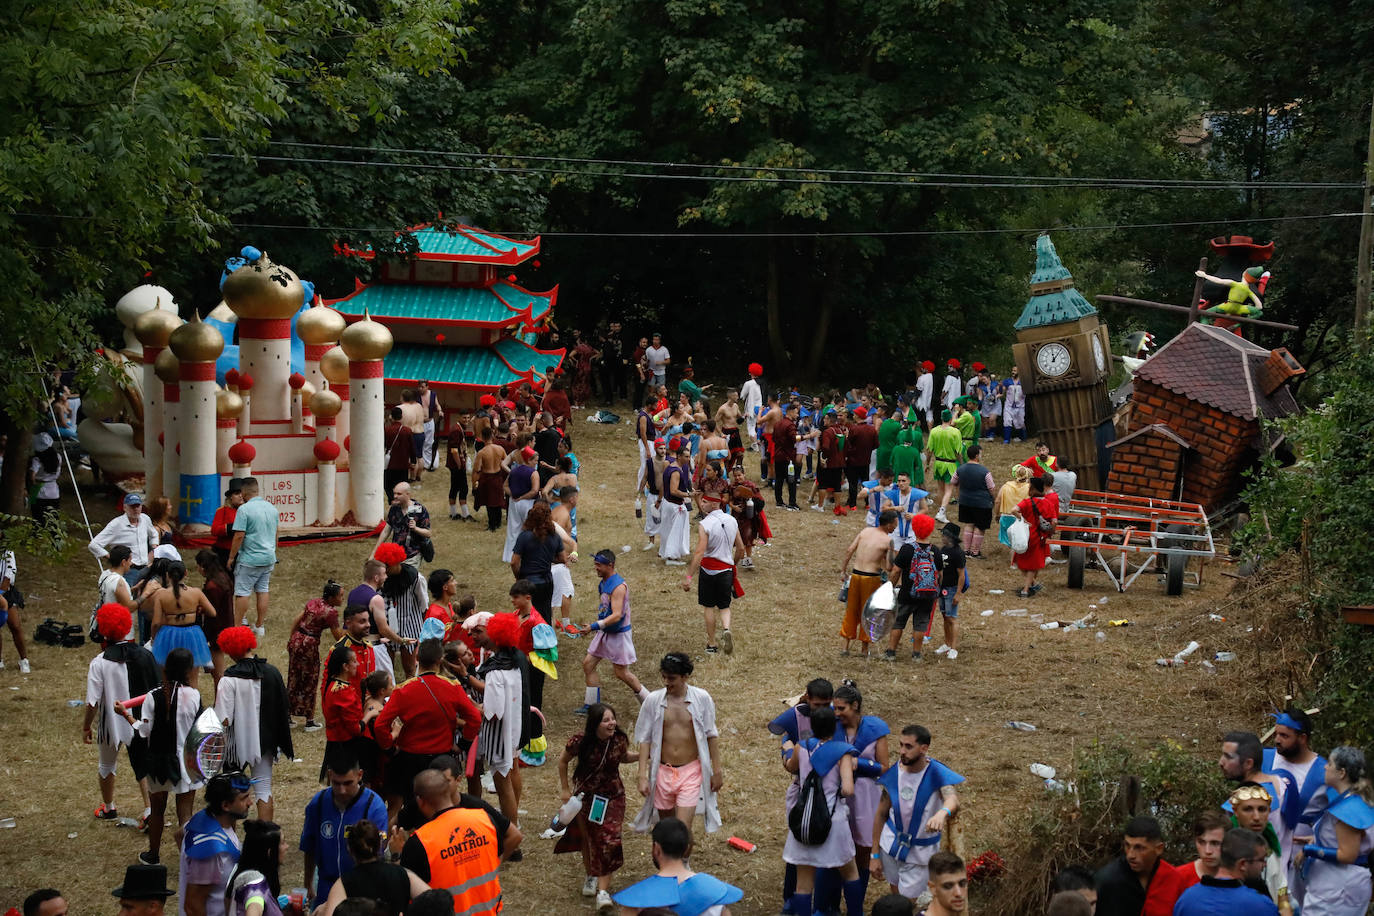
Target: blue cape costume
205, 838
689, 898
1297, 798
937, 777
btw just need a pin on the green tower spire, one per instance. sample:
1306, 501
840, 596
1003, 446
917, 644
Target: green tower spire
1053, 298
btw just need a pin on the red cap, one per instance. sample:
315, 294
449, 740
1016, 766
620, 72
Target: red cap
861, 412
675, 443
527, 452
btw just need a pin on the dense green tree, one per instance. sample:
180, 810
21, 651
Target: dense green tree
109, 111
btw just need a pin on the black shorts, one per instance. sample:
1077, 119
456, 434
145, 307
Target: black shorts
979, 517
918, 613
830, 478
715, 590
138, 756
401, 771
457, 484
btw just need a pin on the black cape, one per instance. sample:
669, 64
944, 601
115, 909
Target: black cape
274, 723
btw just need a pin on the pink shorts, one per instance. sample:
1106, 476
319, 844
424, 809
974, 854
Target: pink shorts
677, 787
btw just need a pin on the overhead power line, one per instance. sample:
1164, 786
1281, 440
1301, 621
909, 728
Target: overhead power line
815, 177
913, 177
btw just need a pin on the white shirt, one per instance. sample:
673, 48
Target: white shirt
752, 396
8, 569
952, 389
140, 538
658, 358
923, 387
109, 587
649, 730
106, 683
721, 530
237, 703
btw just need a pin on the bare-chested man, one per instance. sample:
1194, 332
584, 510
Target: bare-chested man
764, 430
713, 447
727, 421
871, 553
679, 757
490, 479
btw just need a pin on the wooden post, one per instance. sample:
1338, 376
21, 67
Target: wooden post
1362, 280
1195, 304
1183, 310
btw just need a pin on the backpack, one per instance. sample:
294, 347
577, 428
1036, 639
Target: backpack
810, 818
1042, 524
922, 573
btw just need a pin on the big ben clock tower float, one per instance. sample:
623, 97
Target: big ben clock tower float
1063, 354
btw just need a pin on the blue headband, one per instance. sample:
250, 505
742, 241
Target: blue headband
1287, 721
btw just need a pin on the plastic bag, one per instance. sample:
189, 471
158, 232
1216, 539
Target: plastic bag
1019, 535
879, 611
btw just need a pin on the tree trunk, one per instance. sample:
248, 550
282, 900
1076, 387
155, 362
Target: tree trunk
820, 328
776, 345
18, 443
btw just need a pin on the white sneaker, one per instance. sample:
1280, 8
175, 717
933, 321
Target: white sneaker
650, 546
943, 649
952, 654
676, 562
746, 563
604, 903
589, 886
260, 631
2, 665
23, 666
941, 517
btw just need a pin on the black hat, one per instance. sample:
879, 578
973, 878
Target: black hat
144, 882
951, 530
235, 485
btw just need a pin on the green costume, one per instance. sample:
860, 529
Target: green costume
967, 425
947, 448
689, 388
887, 441
906, 457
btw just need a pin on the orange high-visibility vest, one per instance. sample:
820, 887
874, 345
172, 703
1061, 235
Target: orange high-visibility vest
460, 844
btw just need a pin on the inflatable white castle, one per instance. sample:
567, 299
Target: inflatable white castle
312, 438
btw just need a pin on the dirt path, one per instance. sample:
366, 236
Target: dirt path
1074, 686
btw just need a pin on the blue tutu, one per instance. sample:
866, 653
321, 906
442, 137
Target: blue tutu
187, 636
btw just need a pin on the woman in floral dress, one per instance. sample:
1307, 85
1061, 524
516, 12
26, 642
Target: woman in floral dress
596, 756
303, 650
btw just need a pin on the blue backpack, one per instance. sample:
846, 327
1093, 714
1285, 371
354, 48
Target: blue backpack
922, 572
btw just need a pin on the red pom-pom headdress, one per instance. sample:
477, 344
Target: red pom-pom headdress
390, 553
978, 367
504, 630
755, 369
238, 641
928, 366
113, 621
954, 364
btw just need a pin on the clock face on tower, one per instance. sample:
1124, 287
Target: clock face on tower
1053, 360
1099, 355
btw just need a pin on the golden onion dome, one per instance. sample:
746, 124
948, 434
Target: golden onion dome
222, 312
320, 324
155, 326
196, 342
142, 299
167, 367
334, 366
326, 404
227, 404
307, 392
366, 339
262, 289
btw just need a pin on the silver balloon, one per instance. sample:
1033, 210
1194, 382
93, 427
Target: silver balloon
203, 753
879, 611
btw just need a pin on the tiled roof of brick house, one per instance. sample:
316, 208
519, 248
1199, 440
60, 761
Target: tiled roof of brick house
1220, 369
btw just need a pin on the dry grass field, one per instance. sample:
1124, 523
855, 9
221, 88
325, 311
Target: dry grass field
1073, 686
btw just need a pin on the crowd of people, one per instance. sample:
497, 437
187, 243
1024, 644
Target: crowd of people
433, 709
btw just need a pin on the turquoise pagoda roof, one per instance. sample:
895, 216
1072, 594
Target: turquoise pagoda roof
1053, 297
498, 305
467, 244
509, 361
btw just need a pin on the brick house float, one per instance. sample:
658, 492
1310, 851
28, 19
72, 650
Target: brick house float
1197, 413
